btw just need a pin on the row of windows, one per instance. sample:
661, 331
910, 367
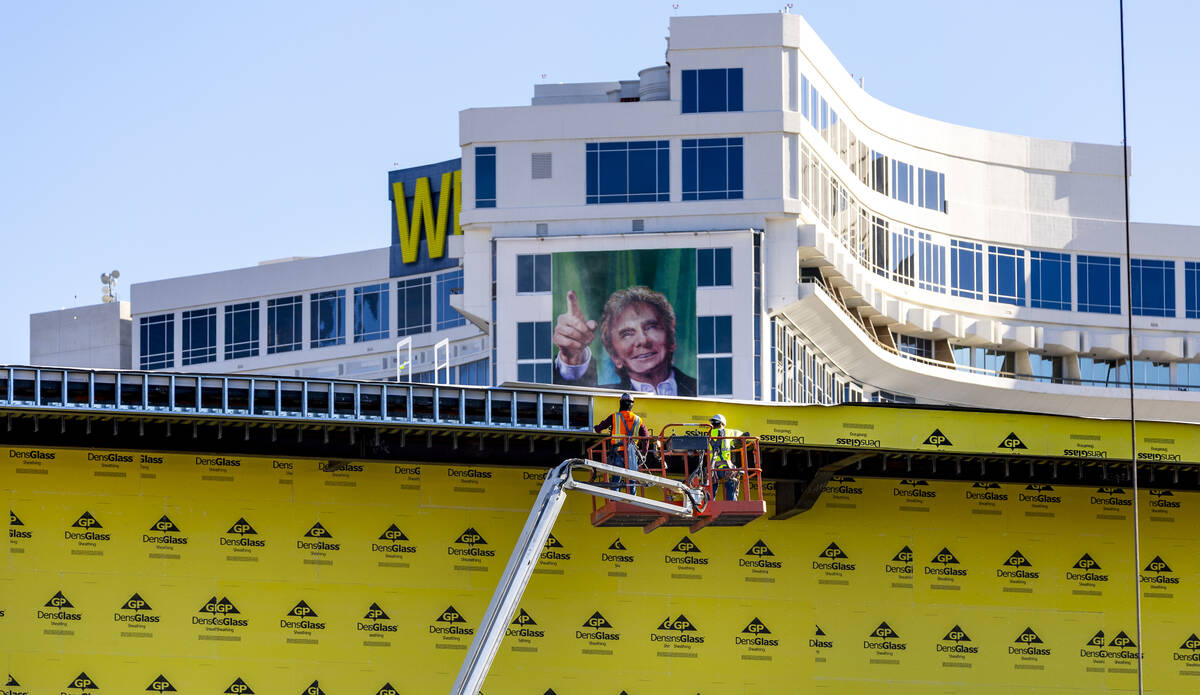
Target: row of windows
902, 181
714, 268
639, 171
714, 352
970, 269
327, 322
803, 376
1052, 368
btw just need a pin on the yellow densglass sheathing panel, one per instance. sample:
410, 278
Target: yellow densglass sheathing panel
925, 429
227, 573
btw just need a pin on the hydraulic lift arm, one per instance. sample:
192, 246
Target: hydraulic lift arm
533, 538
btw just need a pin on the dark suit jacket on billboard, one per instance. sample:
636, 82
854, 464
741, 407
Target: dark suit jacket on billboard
685, 385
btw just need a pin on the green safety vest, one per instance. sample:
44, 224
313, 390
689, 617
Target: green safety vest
722, 453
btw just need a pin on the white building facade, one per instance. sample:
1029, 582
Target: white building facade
843, 250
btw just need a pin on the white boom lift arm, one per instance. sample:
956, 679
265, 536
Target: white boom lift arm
533, 538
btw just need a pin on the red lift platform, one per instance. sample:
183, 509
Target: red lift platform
681, 451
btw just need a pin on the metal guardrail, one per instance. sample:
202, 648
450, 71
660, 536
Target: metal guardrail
97, 391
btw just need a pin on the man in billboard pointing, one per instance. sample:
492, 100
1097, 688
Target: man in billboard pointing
637, 329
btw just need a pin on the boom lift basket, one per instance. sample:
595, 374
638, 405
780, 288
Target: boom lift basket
681, 451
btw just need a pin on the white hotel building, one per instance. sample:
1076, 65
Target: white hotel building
847, 250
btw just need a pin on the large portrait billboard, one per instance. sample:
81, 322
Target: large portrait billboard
626, 319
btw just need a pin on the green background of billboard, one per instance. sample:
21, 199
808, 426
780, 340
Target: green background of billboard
594, 275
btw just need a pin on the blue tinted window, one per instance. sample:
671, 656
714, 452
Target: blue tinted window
448, 284
1006, 275
716, 376
284, 316
804, 96
911, 345
533, 352
1099, 284
1050, 280
902, 181
714, 268
931, 189
533, 273
199, 336
328, 318
712, 169
628, 172
966, 269
241, 330
371, 312
157, 335
1153, 287
933, 263
1191, 289
711, 91
714, 335
473, 373
413, 302
903, 258
485, 177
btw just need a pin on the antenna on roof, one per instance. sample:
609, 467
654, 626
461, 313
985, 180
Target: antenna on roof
787, 9
109, 281
675, 7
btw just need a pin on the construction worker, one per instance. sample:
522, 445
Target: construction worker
720, 455
623, 425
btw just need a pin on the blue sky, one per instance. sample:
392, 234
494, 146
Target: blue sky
169, 139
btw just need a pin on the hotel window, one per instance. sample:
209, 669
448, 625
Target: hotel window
712, 91
413, 302
879, 250
879, 172
714, 267
157, 341
533, 273
241, 330
1097, 372
712, 169
902, 181
628, 172
933, 263
284, 316
903, 259
1153, 287
931, 189
1191, 289
449, 284
1006, 275
966, 269
910, 345
534, 360
1050, 280
1046, 367
1150, 375
370, 312
714, 350
1001, 361
804, 96
199, 336
1099, 284
485, 177
472, 373
328, 318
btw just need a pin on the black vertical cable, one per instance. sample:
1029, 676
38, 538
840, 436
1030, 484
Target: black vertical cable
1137, 550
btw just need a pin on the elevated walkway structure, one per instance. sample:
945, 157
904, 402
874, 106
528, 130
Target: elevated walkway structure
798, 450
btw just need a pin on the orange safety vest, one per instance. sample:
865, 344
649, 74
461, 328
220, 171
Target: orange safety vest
624, 425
